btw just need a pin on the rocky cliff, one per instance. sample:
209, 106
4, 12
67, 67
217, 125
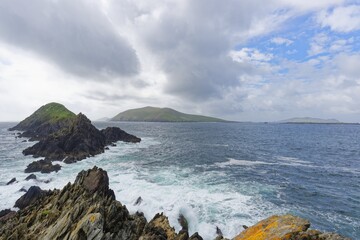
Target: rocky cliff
88, 209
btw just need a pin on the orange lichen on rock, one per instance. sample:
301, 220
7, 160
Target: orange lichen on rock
275, 228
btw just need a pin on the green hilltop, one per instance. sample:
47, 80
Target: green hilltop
154, 114
51, 112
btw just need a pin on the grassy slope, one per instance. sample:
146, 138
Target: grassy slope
51, 112
152, 114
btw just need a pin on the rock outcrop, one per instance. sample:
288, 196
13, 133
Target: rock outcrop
86, 209
42, 166
77, 141
285, 227
114, 134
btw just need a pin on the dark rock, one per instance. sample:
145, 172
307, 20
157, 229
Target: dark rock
106, 148
42, 166
6, 214
183, 222
218, 231
195, 236
22, 190
11, 181
32, 195
31, 176
138, 201
113, 145
24, 141
114, 134
245, 227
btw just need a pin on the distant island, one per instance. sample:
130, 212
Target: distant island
311, 120
154, 114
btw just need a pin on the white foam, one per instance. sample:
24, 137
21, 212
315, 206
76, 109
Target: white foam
232, 162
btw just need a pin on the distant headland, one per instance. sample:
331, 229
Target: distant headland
154, 114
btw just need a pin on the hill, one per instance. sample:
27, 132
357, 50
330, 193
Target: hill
311, 120
44, 121
153, 114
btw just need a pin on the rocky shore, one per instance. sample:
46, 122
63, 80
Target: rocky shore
87, 209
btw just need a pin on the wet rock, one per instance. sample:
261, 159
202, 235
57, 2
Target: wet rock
245, 227
138, 201
106, 148
42, 166
11, 181
183, 222
195, 236
32, 195
22, 190
114, 134
219, 232
6, 215
31, 176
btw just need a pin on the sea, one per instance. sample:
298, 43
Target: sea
221, 175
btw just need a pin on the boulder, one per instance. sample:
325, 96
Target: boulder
43, 166
6, 215
31, 176
32, 195
114, 134
11, 181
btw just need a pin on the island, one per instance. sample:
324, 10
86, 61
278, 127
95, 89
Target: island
310, 120
65, 136
154, 114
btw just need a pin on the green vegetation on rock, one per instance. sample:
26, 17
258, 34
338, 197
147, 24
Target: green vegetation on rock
51, 112
153, 114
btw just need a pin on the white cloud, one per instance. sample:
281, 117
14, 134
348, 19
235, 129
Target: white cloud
318, 44
281, 41
341, 19
250, 55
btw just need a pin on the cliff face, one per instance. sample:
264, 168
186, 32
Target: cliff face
87, 209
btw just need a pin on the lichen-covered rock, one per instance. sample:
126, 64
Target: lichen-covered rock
285, 227
275, 227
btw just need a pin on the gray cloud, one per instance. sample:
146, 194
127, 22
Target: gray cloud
191, 41
75, 35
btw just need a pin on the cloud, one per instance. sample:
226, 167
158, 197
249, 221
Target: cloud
341, 19
281, 41
318, 44
75, 35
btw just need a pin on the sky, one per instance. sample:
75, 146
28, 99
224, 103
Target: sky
248, 60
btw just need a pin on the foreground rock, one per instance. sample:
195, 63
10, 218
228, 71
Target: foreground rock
86, 209
114, 134
286, 227
42, 166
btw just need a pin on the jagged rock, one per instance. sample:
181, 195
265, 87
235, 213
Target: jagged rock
183, 222
77, 140
6, 215
285, 227
31, 176
43, 166
22, 190
114, 134
138, 201
11, 181
32, 195
195, 236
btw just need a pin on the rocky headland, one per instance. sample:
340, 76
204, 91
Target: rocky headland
87, 209
64, 136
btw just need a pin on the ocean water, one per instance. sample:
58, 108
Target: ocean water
219, 174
